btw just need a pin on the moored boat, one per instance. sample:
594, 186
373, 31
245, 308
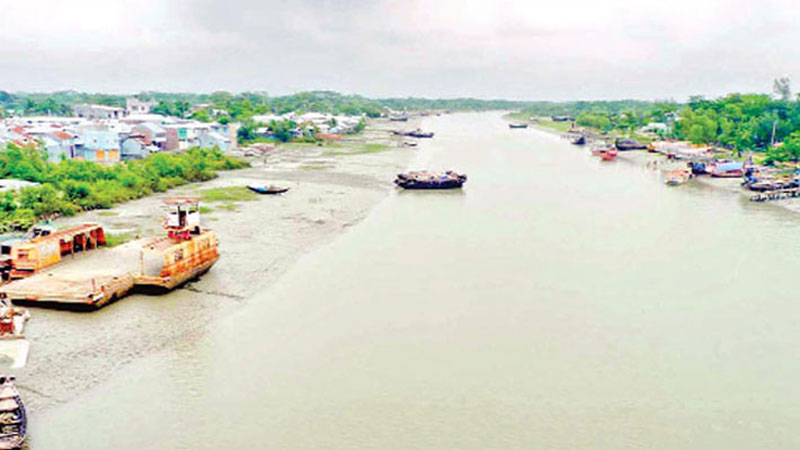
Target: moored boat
578, 140
269, 190
609, 154
678, 177
629, 144
517, 125
430, 180
13, 418
728, 170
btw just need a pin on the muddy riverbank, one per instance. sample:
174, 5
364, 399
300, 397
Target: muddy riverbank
332, 188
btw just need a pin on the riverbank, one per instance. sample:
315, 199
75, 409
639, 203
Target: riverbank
260, 238
656, 161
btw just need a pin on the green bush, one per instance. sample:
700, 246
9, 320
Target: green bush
71, 186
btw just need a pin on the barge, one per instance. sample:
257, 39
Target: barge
155, 264
430, 180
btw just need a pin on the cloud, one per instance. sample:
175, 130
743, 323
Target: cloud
515, 49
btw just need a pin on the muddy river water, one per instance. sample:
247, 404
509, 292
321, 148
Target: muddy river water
557, 302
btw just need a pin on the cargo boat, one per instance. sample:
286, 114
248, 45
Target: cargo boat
155, 264
430, 180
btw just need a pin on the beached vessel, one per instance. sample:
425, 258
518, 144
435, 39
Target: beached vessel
629, 144
13, 418
269, 190
517, 125
151, 264
578, 140
430, 180
44, 247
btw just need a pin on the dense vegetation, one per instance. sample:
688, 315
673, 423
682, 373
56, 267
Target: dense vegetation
737, 122
239, 107
71, 186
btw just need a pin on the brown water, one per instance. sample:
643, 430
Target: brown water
556, 303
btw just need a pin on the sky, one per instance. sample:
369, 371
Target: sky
513, 49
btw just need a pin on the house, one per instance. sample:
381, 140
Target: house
59, 145
99, 145
134, 147
213, 139
99, 112
153, 134
135, 106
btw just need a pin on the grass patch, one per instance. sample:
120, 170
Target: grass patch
562, 127
115, 239
362, 149
228, 206
227, 194
206, 209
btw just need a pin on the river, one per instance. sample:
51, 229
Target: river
557, 302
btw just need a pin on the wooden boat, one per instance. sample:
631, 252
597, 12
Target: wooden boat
599, 148
269, 190
399, 118
430, 180
678, 177
579, 140
629, 144
728, 170
608, 154
13, 418
419, 134
517, 125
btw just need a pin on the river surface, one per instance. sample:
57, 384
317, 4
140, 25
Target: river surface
557, 302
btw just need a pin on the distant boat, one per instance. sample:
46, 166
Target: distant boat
608, 154
629, 144
517, 125
579, 140
598, 149
271, 190
678, 177
430, 180
399, 118
419, 134
728, 170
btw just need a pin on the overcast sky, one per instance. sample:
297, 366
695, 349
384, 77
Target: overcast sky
516, 49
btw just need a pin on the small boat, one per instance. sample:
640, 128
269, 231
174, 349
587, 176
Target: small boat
267, 189
517, 125
398, 118
419, 134
13, 418
629, 144
678, 177
598, 149
608, 154
430, 180
728, 170
698, 168
579, 140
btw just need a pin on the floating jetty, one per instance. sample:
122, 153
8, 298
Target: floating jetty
155, 264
